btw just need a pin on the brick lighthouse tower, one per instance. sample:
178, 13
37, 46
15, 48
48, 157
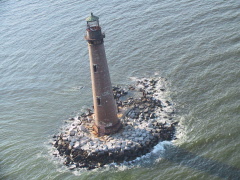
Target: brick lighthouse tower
105, 109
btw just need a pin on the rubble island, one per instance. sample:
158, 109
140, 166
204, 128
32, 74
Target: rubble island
146, 115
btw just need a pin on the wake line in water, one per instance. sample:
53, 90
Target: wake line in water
168, 151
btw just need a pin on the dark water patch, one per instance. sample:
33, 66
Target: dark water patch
215, 168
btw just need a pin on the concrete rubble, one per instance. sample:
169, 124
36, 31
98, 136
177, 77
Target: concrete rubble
147, 118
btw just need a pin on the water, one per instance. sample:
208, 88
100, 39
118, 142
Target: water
45, 79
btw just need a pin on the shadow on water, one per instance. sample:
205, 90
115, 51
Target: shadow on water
189, 159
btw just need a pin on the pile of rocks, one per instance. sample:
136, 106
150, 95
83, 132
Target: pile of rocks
146, 116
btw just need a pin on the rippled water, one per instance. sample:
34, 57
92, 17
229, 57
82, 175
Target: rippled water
45, 79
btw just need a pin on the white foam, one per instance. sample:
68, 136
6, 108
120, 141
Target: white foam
180, 132
150, 158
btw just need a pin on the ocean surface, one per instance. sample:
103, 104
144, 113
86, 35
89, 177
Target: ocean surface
45, 79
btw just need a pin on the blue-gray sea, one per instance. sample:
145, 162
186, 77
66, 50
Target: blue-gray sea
45, 79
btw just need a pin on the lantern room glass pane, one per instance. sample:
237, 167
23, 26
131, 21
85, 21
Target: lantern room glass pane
93, 23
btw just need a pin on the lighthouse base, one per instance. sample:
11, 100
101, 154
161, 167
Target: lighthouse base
102, 130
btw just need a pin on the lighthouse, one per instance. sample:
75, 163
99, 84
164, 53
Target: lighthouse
105, 109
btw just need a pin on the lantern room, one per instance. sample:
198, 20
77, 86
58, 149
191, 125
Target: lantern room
94, 34
92, 21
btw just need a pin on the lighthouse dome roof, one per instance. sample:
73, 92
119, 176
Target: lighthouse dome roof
92, 18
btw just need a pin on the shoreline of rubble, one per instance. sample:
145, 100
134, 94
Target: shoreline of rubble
147, 119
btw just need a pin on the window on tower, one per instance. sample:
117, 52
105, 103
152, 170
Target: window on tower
95, 68
98, 101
